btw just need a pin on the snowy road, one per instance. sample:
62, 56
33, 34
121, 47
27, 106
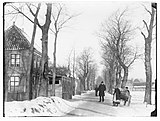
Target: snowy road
84, 105
91, 107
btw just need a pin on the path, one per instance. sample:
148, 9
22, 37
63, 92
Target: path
91, 107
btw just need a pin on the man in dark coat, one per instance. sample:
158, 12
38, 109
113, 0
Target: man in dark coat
101, 90
126, 95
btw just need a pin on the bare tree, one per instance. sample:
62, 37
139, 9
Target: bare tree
116, 32
109, 61
148, 68
60, 19
31, 52
91, 76
84, 61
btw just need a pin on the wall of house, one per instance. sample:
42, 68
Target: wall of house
21, 92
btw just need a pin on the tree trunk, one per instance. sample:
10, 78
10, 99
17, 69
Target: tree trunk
30, 63
125, 77
36, 86
44, 81
111, 81
83, 83
118, 76
44, 71
125, 68
54, 65
148, 69
88, 80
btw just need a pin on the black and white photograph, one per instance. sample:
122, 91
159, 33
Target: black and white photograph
79, 59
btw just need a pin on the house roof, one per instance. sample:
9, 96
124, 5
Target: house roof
15, 39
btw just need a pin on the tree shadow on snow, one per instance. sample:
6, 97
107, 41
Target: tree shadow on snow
88, 110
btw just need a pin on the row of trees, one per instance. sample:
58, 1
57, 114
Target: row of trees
81, 66
118, 55
86, 69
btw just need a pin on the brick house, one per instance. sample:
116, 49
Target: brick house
17, 49
16, 63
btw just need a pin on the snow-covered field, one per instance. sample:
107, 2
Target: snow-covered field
41, 106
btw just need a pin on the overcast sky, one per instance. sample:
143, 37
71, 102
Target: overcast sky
81, 31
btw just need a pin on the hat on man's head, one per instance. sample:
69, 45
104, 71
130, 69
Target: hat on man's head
101, 81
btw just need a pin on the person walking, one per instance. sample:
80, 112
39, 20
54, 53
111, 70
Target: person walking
96, 90
128, 96
101, 90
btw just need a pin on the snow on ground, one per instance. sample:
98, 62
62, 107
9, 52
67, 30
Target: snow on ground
137, 108
55, 106
41, 106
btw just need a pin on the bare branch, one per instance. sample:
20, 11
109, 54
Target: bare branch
58, 15
53, 17
59, 19
147, 9
143, 35
15, 8
30, 9
35, 14
134, 58
152, 21
154, 25
52, 30
65, 21
11, 12
146, 26
56, 18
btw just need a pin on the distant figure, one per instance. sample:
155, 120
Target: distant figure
116, 96
101, 90
96, 90
127, 95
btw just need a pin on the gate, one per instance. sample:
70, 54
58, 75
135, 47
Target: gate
66, 88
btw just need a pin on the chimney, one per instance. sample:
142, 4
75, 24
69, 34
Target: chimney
13, 22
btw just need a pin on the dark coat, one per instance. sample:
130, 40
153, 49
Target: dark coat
117, 92
125, 95
101, 89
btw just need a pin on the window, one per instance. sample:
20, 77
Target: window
35, 64
15, 60
14, 83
